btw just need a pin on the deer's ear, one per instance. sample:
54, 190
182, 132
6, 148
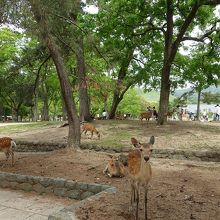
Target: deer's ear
152, 140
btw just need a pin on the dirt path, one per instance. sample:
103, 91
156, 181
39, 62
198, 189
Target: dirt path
180, 190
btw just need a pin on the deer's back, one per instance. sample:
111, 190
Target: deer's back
88, 127
145, 114
5, 142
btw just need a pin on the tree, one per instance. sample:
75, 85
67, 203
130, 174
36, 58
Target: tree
47, 37
117, 26
195, 13
202, 71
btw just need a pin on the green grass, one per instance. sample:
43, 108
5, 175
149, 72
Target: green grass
8, 129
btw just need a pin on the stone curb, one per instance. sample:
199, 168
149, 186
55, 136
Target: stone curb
209, 156
57, 186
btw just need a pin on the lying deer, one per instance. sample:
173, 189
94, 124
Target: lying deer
114, 168
6, 146
140, 172
146, 115
89, 127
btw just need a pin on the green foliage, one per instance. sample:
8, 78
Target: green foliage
209, 98
131, 103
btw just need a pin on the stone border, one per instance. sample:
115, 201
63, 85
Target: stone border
24, 146
57, 186
210, 156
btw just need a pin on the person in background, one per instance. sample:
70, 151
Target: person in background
179, 112
155, 114
217, 112
104, 115
204, 115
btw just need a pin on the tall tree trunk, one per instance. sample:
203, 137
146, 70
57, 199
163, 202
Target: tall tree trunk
198, 105
64, 110
81, 68
81, 74
45, 110
35, 107
74, 125
170, 51
164, 95
119, 92
116, 100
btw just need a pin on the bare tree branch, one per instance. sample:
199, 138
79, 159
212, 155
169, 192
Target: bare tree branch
206, 35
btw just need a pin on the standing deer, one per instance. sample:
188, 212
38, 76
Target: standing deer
6, 145
140, 172
90, 127
146, 115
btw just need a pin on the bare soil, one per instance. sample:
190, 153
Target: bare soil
179, 189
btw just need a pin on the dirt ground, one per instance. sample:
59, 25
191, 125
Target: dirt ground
179, 189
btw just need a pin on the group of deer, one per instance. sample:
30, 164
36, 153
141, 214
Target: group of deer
139, 171
7, 144
139, 167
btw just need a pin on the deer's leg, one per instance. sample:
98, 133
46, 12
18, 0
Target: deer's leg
105, 171
12, 157
7, 156
145, 202
91, 134
132, 196
137, 202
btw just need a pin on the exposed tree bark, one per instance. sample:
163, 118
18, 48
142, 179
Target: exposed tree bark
35, 108
119, 90
81, 74
64, 110
198, 105
81, 69
74, 125
45, 110
171, 48
36, 90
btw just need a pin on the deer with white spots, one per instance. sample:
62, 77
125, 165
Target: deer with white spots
6, 146
139, 169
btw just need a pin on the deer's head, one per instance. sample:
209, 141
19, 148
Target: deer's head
146, 149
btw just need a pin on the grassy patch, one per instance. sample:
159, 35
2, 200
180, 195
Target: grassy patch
12, 128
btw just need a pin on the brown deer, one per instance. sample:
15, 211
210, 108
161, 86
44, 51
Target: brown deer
114, 168
89, 127
6, 146
146, 115
140, 173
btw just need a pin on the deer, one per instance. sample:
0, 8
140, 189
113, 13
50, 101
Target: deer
89, 127
114, 168
6, 146
140, 173
146, 115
